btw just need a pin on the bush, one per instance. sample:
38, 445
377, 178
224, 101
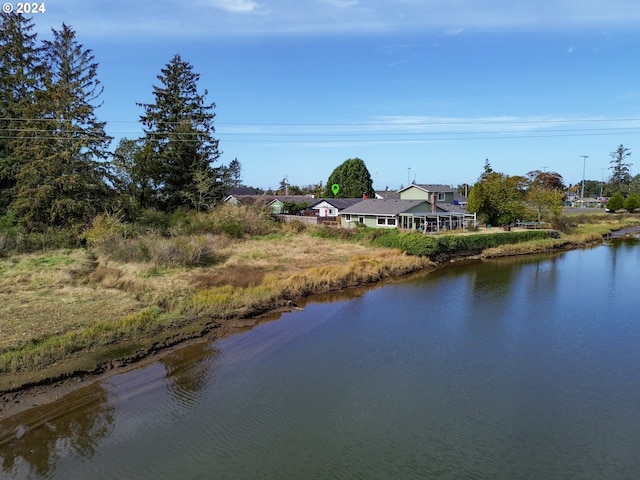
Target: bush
415, 243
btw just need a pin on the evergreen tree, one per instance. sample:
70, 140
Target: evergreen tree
632, 203
20, 76
354, 180
62, 183
616, 202
179, 128
234, 170
620, 176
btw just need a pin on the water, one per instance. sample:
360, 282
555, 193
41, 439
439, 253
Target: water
523, 368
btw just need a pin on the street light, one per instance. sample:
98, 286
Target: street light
584, 162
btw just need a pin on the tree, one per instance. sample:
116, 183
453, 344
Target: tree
497, 197
545, 200
545, 193
134, 170
234, 170
20, 76
62, 182
546, 180
354, 180
620, 176
616, 202
179, 128
632, 202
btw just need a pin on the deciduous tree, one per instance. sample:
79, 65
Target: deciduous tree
497, 197
354, 180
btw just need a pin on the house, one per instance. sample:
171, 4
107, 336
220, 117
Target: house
443, 193
331, 207
277, 203
407, 214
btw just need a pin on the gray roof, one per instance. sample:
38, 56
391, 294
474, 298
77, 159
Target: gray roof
293, 198
242, 190
431, 187
450, 207
339, 203
268, 199
388, 194
374, 206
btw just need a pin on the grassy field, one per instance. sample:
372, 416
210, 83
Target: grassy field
70, 309
73, 305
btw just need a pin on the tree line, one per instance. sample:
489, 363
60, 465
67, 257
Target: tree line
56, 167
502, 199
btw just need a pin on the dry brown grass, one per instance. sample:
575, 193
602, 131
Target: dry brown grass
40, 296
58, 303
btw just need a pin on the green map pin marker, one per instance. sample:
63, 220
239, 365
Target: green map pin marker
335, 188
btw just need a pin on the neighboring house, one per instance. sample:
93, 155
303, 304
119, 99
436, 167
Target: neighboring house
443, 193
587, 202
331, 207
275, 202
278, 203
248, 199
406, 214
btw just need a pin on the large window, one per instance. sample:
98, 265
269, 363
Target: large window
386, 221
441, 196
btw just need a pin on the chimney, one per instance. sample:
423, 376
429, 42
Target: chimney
433, 202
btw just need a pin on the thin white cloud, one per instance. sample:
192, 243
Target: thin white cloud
238, 6
342, 3
214, 18
400, 129
393, 64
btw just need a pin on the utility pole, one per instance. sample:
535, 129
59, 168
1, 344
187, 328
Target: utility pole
584, 162
408, 176
601, 180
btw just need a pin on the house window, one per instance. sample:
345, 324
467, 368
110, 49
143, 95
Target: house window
347, 217
441, 196
361, 219
332, 212
386, 221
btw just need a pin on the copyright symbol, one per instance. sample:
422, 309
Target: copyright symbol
7, 8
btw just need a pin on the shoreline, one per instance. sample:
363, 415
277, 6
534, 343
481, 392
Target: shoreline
47, 389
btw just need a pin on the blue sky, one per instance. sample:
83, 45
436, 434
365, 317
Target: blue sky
419, 89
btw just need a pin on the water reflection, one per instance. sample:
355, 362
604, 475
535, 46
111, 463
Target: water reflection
32, 442
187, 371
514, 368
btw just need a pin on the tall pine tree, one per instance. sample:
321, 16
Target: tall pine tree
63, 182
20, 75
179, 127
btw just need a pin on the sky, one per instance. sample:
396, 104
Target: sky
421, 90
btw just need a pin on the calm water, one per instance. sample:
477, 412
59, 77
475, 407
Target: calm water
521, 368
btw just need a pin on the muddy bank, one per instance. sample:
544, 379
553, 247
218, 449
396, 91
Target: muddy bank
48, 387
